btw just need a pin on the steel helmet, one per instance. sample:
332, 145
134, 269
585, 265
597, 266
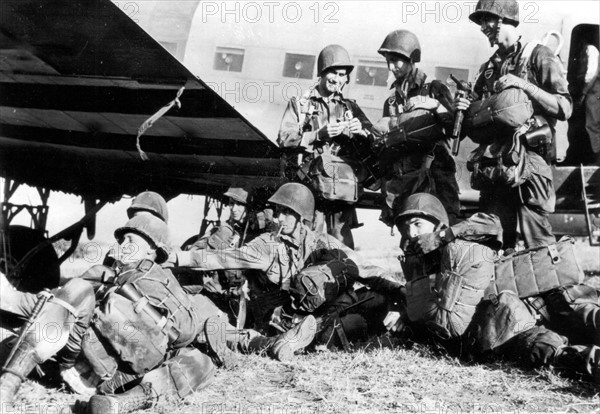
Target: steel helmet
239, 193
404, 43
151, 202
296, 197
425, 205
508, 10
334, 56
151, 228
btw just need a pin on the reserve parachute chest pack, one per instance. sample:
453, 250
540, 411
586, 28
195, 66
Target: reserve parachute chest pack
322, 283
498, 116
417, 130
538, 270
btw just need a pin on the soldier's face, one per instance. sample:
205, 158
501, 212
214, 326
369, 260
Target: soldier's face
489, 27
238, 210
288, 220
332, 81
398, 66
133, 248
416, 226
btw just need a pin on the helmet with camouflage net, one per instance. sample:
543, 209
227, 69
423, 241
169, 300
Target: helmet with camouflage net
239, 193
507, 10
334, 56
152, 229
297, 197
151, 202
423, 205
403, 43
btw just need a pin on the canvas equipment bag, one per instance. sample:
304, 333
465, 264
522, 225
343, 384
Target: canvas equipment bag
322, 283
499, 163
336, 178
141, 331
499, 319
417, 130
538, 270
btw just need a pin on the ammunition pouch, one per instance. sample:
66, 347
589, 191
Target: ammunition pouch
498, 116
538, 270
538, 138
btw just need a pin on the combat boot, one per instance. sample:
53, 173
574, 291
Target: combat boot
579, 359
16, 370
296, 339
138, 398
217, 333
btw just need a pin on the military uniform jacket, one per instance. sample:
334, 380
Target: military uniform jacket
445, 286
304, 116
416, 85
281, 257
541, 69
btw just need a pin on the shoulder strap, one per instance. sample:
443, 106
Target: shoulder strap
525, 58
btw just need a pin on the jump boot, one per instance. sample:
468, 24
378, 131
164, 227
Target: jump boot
182, 375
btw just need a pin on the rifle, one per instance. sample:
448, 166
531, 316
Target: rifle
43, 297
323, 321
463, 90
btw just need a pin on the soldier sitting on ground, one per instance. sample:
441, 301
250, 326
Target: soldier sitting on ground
281, 256
153, 361
445, 296
245, 223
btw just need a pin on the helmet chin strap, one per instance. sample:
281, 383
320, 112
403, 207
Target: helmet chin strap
494, 39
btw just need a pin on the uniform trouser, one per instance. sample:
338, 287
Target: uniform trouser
541, 347
62, 323
574, 311
592, 115
338, 218
439, 180
185, 372
522, 210
360, 322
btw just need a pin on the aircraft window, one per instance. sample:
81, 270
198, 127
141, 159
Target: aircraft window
372, 73
442, 73
229, 59
298, 66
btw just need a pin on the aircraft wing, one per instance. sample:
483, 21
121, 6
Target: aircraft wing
78, 78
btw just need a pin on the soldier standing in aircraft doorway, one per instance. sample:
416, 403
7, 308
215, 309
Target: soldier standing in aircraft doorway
322, 121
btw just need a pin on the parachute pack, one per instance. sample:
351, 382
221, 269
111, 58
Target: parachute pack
322, 283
